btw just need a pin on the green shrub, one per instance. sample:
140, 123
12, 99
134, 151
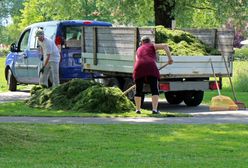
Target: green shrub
241, 76
4, 52
241, 54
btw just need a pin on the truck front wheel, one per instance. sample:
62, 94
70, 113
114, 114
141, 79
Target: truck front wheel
193, 98
174, 97
12, 83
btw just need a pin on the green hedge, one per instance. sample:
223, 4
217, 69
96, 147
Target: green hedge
4, 52
241, 54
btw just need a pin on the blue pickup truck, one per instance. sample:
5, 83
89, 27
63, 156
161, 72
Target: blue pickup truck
23, 62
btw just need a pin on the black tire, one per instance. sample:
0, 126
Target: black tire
12, 83
174, 97
111, 82
193, 98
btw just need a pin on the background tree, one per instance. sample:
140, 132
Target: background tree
200, 13
187, 13
9, 12
163, 10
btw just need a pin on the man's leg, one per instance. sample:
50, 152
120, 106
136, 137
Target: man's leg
55, 73
44, 76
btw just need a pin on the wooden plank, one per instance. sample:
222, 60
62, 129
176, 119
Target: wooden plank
112, 30
83, 39
95, 45
207, 36
111, 44
107, 50
109, 56
113, 38
104, 65
136, 41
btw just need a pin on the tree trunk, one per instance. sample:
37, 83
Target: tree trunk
163, 12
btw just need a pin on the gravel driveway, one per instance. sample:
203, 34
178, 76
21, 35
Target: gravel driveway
13, 96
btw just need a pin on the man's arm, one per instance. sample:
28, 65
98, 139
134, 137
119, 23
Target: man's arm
166, 49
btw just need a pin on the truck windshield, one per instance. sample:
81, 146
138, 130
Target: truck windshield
72, 37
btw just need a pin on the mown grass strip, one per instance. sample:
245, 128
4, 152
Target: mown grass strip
21, 109
123, 145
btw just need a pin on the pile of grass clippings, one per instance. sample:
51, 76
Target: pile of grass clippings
80, 95
180, 42
103, 100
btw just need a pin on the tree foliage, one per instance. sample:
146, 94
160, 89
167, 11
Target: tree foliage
124, 12
187, 13
210, 13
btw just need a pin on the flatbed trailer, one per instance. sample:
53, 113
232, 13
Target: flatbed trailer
111, 51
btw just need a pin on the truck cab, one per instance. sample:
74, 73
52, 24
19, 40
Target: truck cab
23, 63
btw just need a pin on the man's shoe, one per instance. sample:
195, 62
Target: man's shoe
138, 112
155, 112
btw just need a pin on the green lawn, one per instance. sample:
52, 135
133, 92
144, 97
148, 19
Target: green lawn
122, 145
21, 109
3, 84
241, 96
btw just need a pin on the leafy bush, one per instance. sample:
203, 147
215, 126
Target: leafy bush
4, 52
241, 54
241, 76
81, 95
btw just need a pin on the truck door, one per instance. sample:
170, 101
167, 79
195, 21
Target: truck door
71, 53
34, 61
34, 55
21, 61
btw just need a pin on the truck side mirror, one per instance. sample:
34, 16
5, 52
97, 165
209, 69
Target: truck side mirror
13, 47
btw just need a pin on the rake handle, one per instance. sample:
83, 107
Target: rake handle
217, 85
230, 80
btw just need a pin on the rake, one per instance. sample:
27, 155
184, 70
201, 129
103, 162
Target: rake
220, 102
241, 106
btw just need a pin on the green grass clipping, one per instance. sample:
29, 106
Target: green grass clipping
82, 96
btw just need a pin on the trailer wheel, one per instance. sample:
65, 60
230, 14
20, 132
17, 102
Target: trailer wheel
12, 83
193, 98
174, 97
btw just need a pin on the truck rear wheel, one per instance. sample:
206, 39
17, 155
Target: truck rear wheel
12, 83
174, 97
111, 82
193, 98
